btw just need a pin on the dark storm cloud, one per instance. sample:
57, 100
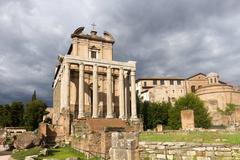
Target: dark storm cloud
165, 37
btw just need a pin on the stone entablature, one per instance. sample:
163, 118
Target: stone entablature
128, 66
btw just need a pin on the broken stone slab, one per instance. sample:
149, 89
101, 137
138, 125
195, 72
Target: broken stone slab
27, 140
72, 158
32, 157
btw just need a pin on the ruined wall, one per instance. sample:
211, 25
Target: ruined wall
217, 97
124, 146
187, 151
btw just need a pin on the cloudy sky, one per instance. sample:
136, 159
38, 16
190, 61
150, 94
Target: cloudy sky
165, 37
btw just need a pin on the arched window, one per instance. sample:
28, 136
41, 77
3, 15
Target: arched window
193, 89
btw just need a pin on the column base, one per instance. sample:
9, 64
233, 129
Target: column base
109, 116
122, 117
134, 118
94, 116
80, 116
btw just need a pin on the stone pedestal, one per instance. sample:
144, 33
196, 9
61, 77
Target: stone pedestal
124, 146
187, 119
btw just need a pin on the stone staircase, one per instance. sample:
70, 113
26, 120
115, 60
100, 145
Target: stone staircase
104, 124
101, 124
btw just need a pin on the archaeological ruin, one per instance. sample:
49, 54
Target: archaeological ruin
93, 95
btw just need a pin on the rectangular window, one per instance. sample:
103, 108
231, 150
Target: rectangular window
162, 82
154, 82
171, 82
93, 54
179, 82
145, 84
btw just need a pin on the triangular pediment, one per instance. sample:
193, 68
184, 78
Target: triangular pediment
199, 76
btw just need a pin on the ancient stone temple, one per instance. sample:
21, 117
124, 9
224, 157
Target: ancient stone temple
91, 90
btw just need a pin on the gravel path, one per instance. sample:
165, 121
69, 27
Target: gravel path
5, 157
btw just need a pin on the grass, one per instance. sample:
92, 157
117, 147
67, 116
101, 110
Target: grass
20, 155
198, 137
59, 153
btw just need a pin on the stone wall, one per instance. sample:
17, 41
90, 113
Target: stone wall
93, 136
187, 151
124, 146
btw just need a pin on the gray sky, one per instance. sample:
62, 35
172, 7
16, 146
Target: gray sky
165, 37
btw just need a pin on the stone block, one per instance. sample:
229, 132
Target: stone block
209, 148
159, 128
199, 149
187, 158
160, 147
224, 149
187, 120
72, 158
131, 144
210, 153
227, 154
203, 158
161, 156
191, 153
170, 157
172, 151
200, 153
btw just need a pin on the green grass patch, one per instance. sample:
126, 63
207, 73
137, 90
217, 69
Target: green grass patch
63, 152
20, 155
197, 137
60, 153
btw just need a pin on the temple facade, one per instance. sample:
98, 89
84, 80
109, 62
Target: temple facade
88, 83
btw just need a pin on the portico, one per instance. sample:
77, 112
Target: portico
122, 72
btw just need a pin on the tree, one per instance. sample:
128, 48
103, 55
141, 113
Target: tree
189, 101
33, 115
34, 96
229, 110
153, 113
5, 116
16, 110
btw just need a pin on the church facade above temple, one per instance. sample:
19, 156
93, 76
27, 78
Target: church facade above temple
88, 83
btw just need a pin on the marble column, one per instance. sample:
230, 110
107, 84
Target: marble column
81, 91
62, 94
133, 95
66, 86
121, 94
109, 92
127, 95
95, 92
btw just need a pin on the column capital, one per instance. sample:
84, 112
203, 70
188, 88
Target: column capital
121, 70
133, 72
126, 73
67, 64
